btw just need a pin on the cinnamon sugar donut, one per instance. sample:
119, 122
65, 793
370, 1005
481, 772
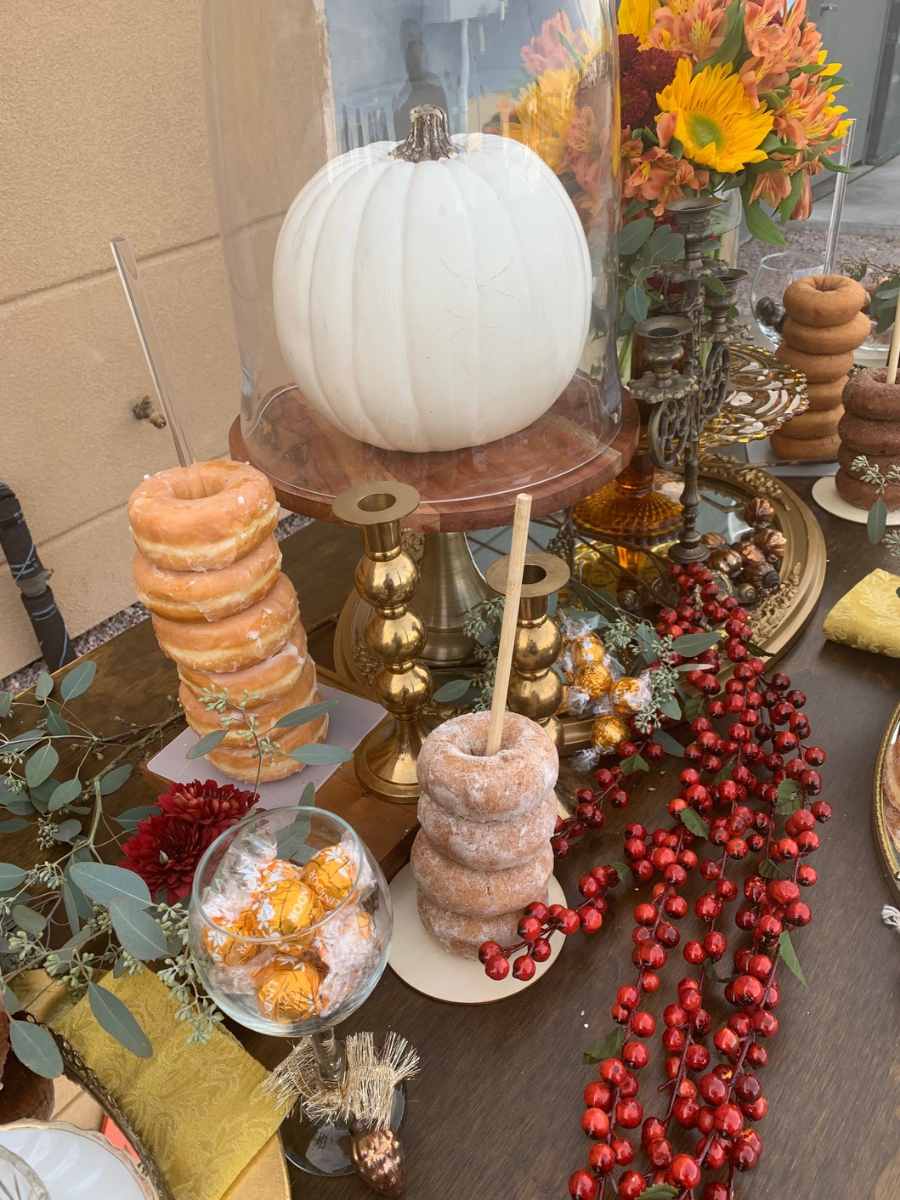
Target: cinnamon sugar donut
820, 449
462, 935
235, 642
488, 845
863, 495
827, 339
824, 299
238, 512
478, 893
266, 680
870, 437
242, 762
204, 721
818, 368
823, 396
455, 772
207, 595
869, 395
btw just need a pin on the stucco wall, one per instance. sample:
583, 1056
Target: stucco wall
101, 133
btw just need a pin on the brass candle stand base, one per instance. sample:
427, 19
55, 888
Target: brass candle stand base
535, 690
386, 578
449, 585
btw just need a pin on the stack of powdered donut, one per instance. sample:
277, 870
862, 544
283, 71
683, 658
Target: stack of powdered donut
825, 324
483, 852
209, 570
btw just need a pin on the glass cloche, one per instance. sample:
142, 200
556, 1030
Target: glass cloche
419, 205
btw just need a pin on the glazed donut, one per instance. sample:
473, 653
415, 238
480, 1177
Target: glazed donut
824, 300
814, 424
241, 762
461, 935
488, 845
454, 771
266, 681
478, 893
820, 449
870, 437
823, 396
202, 721
238, 512
827, 339
235, 642
818, 368
207, 595
869, 395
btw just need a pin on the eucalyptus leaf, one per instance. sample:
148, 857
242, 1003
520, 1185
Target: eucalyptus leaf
43, 687
208, 742
23, 741
292, 838
606, 1047
789, 954
35, 1048
55, 723
41, 765
118, 1021
67, 831
64, 794
78, 680
694, 822
113, 780
140, 934
41, 794
692, 706
20, 806
317, 755
308, 796
29, 920
101, 882
11, 877
83, 906
130, 819
120, 966
451, 691
636, 302
5, 703
693, 644
628, 766
13, 826
622, 870
771, 870
659, 1191
633, 235
669, 707
876, 521
68, 898
668, 743
302, 716
10, 999
713, 284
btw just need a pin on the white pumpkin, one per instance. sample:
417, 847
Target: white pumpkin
432, 304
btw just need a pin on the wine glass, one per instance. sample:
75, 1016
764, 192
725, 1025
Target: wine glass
772, 277
290, 929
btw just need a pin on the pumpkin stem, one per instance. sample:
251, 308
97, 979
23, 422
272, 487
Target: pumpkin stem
428, 136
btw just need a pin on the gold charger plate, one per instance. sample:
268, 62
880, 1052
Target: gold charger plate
886, 813
265, 1176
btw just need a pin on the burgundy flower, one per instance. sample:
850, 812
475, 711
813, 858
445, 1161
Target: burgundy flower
167, 847
656, 69
628, 50
636, 104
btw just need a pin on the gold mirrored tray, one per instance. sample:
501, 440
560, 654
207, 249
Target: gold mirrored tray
886, 799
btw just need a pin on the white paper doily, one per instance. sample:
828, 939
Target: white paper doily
825, 494
423, 964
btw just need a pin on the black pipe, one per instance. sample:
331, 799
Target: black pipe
31, 578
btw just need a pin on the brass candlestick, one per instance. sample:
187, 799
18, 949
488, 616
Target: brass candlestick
535, 690
387, 578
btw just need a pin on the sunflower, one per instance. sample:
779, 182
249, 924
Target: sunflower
714, 119
636, 16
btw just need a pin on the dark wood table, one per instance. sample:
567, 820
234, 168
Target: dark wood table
495, 1111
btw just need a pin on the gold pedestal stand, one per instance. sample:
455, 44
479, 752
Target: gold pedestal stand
535, 690
386, 578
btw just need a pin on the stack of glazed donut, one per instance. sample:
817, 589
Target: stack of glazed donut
209, 571
483, 851
870, 426
824, 326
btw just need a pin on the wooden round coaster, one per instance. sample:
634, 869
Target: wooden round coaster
423, 964
825, 494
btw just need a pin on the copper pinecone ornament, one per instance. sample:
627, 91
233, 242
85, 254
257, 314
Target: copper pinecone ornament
377, 1155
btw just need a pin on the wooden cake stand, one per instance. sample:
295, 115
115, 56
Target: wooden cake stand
557, 459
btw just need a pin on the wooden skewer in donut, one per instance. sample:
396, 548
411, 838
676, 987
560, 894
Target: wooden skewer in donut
510, 617
894, 354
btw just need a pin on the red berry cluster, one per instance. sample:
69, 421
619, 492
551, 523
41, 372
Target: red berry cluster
736, 785
540, 922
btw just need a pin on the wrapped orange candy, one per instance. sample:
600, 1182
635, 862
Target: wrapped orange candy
587, 651
330, 875
629, 695
595, 680
287, 990
224, 949
606, 733
285, 904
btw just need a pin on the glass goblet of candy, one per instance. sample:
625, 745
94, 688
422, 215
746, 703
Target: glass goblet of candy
290, 928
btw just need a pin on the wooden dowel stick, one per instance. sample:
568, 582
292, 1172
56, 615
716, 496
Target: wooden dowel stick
894, 354
510, 617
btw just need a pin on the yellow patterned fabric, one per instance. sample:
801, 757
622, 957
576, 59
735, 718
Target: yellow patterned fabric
200, 1109
868, 617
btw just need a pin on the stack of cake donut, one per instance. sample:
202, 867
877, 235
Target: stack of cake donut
483, 852
824, 325
209, 571
870, 426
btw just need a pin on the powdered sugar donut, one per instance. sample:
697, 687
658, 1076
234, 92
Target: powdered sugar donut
478, 893
455, 772
207, 595
488, 845
461, 935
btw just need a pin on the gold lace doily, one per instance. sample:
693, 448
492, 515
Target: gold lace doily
763, 393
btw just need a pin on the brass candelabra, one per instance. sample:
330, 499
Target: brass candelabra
683, 401
387, 578
535, 690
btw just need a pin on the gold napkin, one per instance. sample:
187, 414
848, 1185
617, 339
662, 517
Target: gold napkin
200, 1109
868, 617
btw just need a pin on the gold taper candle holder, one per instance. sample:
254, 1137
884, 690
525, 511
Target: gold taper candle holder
387, 577
535, 689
